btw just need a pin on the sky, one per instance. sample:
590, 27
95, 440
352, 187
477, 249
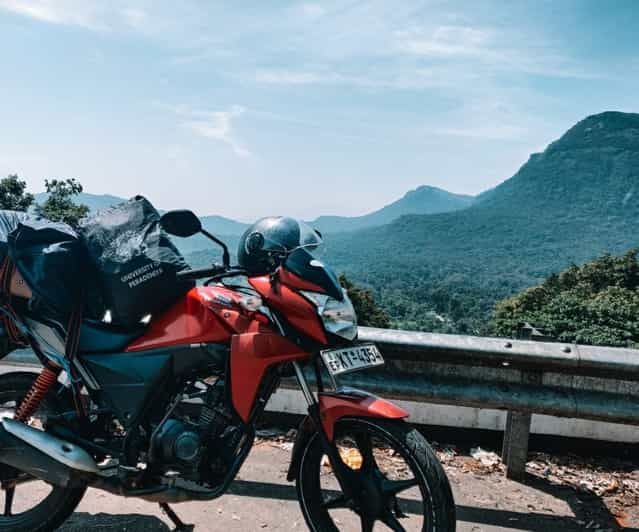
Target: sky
246, 109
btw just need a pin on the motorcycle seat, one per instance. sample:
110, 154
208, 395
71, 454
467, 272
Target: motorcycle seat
99, 337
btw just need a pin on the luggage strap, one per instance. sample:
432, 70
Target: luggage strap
9, 317
71, 346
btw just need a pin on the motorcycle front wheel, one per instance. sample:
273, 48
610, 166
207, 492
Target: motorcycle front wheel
399, 483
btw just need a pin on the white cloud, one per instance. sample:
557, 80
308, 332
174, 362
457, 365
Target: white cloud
391, 78
496, 51
71, 12
491, 132
216, 125
445, 41
379, 44
313, 11
294, 77
97, 15
320, 76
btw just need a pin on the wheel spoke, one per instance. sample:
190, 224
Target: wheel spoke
367, 523
9, 492
365, 447
392, 521
339, 501
393, 487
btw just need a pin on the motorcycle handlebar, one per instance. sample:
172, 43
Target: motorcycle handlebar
192, 275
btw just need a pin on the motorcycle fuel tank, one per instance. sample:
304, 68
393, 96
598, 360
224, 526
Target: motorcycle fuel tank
206, 314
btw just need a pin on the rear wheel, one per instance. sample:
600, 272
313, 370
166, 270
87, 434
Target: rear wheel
397, 482
27, 504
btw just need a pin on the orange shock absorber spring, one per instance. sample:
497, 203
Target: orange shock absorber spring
48, 376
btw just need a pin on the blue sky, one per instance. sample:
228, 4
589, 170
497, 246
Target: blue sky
252, 108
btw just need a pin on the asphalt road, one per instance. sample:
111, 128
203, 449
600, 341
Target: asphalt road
262, 499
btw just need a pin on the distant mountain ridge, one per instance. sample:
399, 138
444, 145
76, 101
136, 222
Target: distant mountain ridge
576, 200
223, 226
95, 202
423, 200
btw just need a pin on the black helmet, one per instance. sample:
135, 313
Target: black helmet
268, 241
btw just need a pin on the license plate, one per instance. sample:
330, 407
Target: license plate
354, 358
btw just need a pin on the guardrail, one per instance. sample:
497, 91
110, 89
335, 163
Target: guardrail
522, 377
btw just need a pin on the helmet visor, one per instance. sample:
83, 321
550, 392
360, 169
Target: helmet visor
310, 239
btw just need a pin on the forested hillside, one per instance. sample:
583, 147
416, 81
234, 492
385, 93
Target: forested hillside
597, 303
569, 204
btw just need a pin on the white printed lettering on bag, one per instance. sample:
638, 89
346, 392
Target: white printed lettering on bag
141, 275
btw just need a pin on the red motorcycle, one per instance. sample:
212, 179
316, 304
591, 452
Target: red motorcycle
167, 412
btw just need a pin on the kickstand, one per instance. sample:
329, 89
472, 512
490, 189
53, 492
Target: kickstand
180, 526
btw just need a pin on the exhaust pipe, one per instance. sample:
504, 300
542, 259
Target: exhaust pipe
42, 455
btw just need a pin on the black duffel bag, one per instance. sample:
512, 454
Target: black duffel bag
135, 263
42, 272
51, 260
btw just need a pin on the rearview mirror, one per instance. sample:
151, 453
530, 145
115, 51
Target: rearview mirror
180, 223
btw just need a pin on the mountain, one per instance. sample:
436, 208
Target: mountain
423, 200
95, 202
575, 201
219, 225
224, 228
199, 251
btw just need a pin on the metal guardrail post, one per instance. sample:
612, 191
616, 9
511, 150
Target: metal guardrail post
516, 435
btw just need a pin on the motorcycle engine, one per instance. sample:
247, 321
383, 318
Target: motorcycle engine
221, 434
175, 443
199, 442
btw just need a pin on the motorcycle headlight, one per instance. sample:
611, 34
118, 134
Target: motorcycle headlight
338, 317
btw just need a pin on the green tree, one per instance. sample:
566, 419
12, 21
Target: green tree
597, 303
369, 313
59, 205
13, 195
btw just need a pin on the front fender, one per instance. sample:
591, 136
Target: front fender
346, 402
351, 402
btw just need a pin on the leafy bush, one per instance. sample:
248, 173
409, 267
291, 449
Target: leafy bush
369, 313
597, 303
13, 194
59, 206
